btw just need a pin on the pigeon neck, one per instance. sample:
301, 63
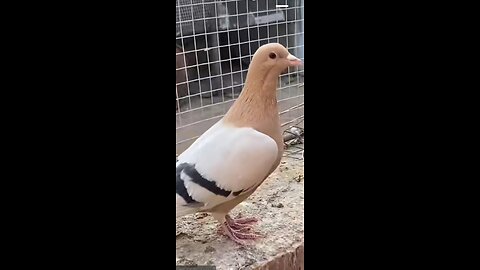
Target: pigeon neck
256, 107
258, 100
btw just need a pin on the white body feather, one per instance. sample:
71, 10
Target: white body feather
234, 158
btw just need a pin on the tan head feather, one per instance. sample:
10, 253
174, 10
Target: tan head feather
258, 100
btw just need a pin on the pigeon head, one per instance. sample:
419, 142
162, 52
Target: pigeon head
273, 57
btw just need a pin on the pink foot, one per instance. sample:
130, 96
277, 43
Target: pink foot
239, 230
243, 220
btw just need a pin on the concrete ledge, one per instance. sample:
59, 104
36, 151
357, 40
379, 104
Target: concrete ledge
278, 204
288, 260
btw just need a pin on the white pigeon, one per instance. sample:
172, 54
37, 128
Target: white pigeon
230, 160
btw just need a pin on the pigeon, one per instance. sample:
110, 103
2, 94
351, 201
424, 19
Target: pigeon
228, 162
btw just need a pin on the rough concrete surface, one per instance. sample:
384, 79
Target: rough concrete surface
278, 203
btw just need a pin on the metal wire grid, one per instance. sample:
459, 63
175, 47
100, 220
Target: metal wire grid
217, 40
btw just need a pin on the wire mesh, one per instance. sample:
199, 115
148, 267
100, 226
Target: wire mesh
215, 41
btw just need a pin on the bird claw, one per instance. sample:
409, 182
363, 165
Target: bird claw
245, 220
240, 222
239, 230
244, 229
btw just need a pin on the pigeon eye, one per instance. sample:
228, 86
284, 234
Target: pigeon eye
272, 55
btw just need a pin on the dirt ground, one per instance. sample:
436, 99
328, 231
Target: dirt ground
278, 204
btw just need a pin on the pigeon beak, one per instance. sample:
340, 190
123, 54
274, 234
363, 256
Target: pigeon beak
294, 61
